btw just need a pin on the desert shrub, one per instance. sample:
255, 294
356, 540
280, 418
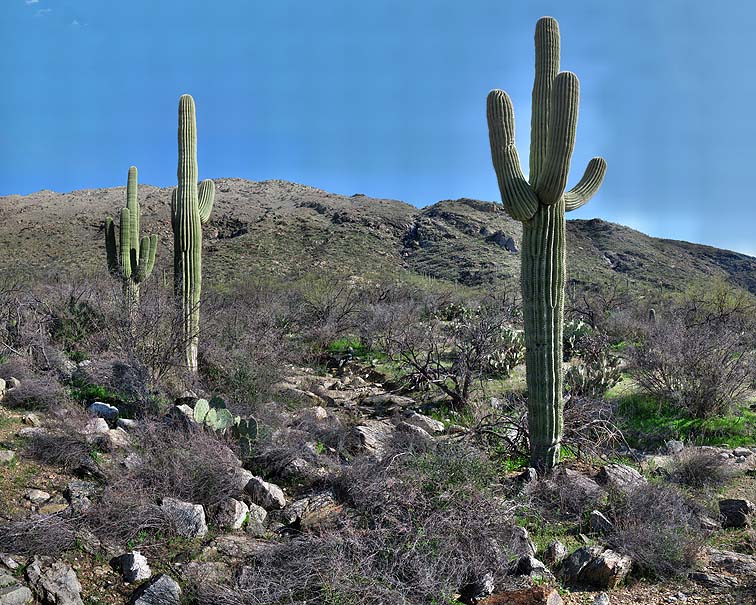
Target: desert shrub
596, 304
248, 337
701, 366
696, 468
564, 495
50, 534
422, 526
196, 466
38, 393
66, 447
657, 526
453, 356
590, 428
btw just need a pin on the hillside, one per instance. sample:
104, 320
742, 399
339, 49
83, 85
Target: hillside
282, 229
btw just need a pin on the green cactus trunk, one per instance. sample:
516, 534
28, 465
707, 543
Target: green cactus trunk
191, 205
540, 202
130, 259
543, 277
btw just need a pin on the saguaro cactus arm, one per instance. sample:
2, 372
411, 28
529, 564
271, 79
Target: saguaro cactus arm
546, 69
587, 186
111, 247
206, 198
516, 194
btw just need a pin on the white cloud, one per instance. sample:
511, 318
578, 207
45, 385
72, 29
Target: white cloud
41, 12
32, 1
75, 23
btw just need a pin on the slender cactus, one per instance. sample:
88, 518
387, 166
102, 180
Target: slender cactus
191, 205
540, 202
130, 259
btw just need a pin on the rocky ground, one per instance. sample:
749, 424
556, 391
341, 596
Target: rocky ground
282, 498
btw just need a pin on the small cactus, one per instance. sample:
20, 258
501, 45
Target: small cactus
130, 259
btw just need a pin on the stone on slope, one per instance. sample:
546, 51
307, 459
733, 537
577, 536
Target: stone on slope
230, 514
132, 566
161, 590
267, 495
104, 410
537, 595
736, 512
620, 477
188, 519
53, 582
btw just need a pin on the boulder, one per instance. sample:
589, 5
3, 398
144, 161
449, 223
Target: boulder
104, 410
477, 589
132, 566
369, 438
96, 426
411, 429
256, 518
36, 496
601, 599
188, 519
53, 582
736, 512
537, 595
530, 566
79, 494
742, 452
7, 456
620, 477
555, 553
428, 424
596, 566
674, 447
231, 514
199, 573
520, 543
161, 590
127, 424
267, 495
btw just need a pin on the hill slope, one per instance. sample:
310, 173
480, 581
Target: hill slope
282, 229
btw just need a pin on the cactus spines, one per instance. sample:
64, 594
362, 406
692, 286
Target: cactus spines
191, 204
540, 202
130, 259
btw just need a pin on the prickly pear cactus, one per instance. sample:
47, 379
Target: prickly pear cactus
130, 259
540, 202
191, 204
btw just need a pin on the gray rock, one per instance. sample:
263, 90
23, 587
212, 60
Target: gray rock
267, 495
132, 566
599, 523
601, 599
231, 514
369, 438
132, 461
520, 542
31, 419
415, 430
313, 414
238, 546
712, 580
574, 565
200, 573
477, 589
2, 388
7, 456
36, 496
9, 561
620, 477
735, 563
742, 452
736, 512
127, 424
555, 553
79, 494
188, 519
15, 594
104, 410
530, 566
12, 383
161, 590
118, 439
96, 426
53, 582
527, 477
674, 447
256, 521
607, 570
428, 424
241, 478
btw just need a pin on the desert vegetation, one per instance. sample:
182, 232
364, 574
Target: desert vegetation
370, 437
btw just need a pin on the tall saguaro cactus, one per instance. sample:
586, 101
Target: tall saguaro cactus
540, 202
133, 262
191, 204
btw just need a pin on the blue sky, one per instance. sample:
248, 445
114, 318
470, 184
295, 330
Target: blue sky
387, 98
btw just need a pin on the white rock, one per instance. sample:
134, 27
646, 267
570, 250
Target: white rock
267, 495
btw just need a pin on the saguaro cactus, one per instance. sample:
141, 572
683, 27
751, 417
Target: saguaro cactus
191, 205
540, 202
133, 263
